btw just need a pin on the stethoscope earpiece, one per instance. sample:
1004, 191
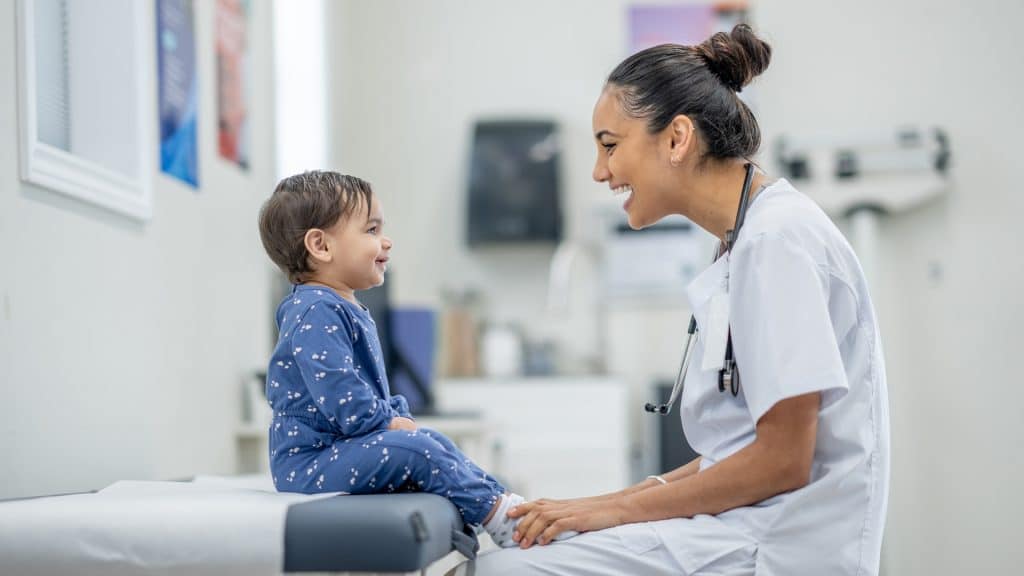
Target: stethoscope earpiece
660, 408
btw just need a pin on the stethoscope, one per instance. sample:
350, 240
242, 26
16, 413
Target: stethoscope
728, 376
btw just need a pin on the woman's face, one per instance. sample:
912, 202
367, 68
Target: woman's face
632, 161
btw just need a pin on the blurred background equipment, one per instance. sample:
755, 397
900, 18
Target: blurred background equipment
502, 350
460, 334
673, 448
659, 260
407, 343
514, 182
884, 171
861, 177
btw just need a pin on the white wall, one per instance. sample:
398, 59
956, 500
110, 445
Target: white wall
410, 76
122, 345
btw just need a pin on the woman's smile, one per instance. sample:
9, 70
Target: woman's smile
625, 191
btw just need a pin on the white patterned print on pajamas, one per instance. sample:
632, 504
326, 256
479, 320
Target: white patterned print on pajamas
328, 389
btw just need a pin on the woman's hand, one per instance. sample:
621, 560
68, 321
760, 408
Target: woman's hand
402, 423
543, 519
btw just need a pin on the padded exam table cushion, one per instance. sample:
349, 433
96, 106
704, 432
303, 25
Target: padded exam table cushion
373, 533
226, 525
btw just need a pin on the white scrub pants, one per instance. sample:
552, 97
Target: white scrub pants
630, 549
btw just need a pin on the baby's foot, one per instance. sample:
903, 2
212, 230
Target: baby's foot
501, 527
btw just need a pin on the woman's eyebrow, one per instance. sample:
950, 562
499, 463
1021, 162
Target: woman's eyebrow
602, 133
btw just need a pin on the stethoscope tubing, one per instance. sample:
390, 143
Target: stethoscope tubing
729, 370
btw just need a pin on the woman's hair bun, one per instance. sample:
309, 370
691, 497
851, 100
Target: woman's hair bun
736, 57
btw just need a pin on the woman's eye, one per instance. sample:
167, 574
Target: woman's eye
372, 230
608, 147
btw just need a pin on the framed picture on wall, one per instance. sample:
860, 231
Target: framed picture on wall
686, 23
178, 90
84, 100
233, 80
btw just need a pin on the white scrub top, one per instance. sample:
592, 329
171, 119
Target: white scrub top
801, 321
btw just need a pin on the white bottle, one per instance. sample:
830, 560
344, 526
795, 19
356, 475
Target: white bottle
502, 351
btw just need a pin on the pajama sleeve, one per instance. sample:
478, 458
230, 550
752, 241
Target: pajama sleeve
323, 353
401, 405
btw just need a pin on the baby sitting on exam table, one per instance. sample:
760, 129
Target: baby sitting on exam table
336, 427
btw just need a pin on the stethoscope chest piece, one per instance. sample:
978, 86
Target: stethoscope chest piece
729, 378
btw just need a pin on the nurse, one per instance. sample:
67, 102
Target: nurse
793, 475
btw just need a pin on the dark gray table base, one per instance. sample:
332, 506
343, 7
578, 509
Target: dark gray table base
373, 533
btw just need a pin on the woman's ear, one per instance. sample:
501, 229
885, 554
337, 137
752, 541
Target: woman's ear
681, 138
317, 245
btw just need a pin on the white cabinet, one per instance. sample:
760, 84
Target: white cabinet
556, 437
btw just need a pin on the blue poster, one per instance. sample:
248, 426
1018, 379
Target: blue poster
176, 70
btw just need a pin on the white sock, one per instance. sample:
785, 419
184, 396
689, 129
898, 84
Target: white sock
501, 527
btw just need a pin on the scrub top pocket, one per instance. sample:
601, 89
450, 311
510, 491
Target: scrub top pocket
698, 542
638, 538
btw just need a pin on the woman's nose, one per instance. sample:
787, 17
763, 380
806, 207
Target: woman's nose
601, 173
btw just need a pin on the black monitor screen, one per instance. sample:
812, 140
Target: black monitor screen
513, 183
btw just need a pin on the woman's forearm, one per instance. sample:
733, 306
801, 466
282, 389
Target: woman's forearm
778, 461
689, 469
735, 481
744, 478
683, 471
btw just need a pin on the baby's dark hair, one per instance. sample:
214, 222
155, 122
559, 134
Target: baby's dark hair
315, 199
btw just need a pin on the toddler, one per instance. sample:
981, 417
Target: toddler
336, 427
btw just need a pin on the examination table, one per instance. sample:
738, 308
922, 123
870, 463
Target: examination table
227, 525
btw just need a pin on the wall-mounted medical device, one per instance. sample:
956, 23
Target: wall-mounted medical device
860, 177
652, 265
658, 261
885, 172
514, 186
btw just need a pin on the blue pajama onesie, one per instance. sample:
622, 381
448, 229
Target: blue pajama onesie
329, 392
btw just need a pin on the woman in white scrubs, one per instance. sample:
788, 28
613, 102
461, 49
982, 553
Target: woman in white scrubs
794, 468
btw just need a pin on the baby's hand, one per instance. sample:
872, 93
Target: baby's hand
401, 423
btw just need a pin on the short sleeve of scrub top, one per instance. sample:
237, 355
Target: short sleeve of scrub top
782, 332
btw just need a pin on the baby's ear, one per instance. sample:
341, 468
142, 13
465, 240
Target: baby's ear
316, 245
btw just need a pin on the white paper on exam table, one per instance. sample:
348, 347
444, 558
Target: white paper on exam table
213, 525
